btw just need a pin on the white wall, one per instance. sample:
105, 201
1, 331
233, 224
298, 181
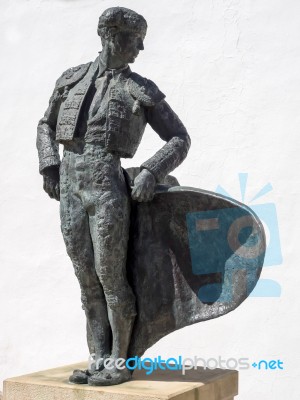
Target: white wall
230, 68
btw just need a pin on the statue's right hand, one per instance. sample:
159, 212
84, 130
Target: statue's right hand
51, 182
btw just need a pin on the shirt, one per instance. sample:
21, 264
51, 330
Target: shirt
92, 122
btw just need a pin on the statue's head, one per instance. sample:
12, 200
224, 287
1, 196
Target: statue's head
123, 32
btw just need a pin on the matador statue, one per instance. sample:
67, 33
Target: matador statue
119, 226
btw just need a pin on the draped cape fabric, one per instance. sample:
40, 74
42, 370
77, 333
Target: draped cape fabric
193, 255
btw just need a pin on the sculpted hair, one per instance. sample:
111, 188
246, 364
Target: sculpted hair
116, 19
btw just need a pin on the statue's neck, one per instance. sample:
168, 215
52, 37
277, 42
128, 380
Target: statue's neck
110, 61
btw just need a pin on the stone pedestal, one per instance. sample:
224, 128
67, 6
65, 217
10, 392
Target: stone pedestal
196, 384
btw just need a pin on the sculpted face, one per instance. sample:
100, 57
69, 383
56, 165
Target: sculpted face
127, 45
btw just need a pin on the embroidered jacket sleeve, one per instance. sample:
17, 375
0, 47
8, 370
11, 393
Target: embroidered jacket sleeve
46, 144
46, 131
166, 123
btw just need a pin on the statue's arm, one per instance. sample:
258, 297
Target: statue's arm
47, 146
169, 127
167, 124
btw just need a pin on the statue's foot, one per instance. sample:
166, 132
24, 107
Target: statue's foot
79, 376
109, 377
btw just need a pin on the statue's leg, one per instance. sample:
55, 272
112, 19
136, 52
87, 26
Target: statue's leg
109, 223
76, 233
89, 338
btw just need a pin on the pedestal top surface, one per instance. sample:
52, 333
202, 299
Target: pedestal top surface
159, 385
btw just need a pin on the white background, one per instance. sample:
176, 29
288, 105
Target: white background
230, 69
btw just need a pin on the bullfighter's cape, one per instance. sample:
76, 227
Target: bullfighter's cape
193, 255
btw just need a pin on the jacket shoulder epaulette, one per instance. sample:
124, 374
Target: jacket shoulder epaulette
72, 75
144, 90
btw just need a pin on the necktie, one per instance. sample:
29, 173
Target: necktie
100, 93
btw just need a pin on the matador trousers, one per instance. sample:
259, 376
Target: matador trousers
95, 217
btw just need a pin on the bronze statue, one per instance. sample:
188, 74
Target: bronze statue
98, 112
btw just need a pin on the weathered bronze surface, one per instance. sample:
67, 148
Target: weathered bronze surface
130, 233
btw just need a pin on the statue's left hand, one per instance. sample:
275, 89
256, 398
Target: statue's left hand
51, 182
144, 186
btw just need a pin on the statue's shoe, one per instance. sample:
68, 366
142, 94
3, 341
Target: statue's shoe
80, 377
109, 378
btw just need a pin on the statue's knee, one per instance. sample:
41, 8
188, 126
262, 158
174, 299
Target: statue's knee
91, 297
124, 304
